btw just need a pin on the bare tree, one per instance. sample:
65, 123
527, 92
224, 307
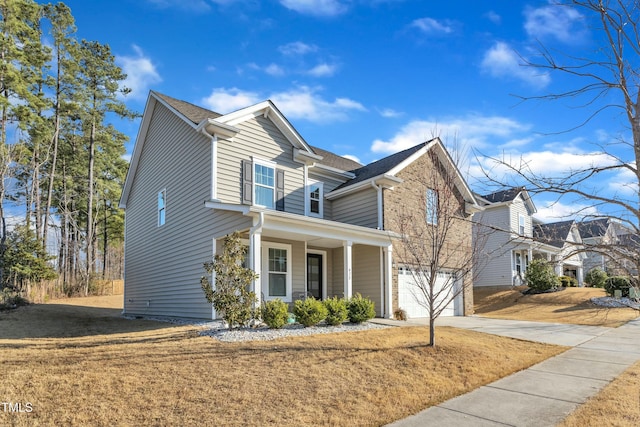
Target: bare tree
436, 245
606, 80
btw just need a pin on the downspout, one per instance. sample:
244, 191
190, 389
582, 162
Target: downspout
378, 188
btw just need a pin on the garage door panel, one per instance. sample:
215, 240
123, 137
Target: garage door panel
409, 294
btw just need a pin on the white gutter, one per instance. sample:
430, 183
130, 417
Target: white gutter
378, 189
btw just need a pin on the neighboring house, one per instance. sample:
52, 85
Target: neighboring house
316, 224
565, 236
609, 245
512, 238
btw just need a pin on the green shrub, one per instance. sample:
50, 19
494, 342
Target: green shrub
360, 309
596, 277
11, 299
568, 282
540, 276
336, 311
275, 313
309, 312
617, 283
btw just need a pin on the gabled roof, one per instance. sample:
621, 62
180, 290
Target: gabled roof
384, 171
507, 196
555, 233
594, 228
333, 160
382, 166
190, 111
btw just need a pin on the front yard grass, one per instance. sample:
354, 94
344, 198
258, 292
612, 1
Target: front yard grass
87, 366
571, 305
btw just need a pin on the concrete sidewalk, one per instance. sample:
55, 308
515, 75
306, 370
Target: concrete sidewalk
546, 393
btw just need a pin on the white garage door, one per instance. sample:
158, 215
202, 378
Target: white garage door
409, 295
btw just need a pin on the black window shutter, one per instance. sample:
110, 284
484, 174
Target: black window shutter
247, 182
279, 190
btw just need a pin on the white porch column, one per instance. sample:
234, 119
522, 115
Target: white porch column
580, 274
255, 260
348, 266
388, 285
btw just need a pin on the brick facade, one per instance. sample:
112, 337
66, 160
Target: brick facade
406, 204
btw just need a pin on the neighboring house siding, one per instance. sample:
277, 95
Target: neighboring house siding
259, 137
366, 274
359, 208
494, 266
177, 159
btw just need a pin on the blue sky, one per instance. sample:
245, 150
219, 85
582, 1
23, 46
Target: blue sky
367, 78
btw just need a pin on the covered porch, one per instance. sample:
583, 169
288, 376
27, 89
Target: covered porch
298, 257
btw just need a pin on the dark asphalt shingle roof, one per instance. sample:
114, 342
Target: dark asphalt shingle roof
381, 166
503, 195
593, 228
554, 234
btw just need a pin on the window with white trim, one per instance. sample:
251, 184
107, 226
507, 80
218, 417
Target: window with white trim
276, 279
432, 206
264, 184
521, 224
162, 207
315, 197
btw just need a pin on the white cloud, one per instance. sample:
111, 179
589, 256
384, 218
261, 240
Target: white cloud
315, 7
224, 100
300, 103
493, 17
352, 157
141, 73
501, 61
297, 49
625, 182
389, 113
561, 22
471, 131
274, 70
323, 70
432, 26
304, 103
554, 211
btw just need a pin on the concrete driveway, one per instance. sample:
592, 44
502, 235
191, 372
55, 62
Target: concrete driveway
546, 393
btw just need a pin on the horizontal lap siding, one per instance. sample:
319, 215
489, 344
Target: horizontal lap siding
493, 267
359, 208
366, 274
329, 184
259, 137
164, 264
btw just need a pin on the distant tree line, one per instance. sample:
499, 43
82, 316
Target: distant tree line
61, 160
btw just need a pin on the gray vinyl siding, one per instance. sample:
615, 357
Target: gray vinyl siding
359, 208
366, 274
517, 208
493, 267
336, 288
258, 137
329, 184
164, 264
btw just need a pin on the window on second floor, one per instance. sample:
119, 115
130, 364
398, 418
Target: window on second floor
432, 206
315, 198
262, 184
521, 224
162, 207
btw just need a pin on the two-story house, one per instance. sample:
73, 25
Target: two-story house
315, 223
512, 238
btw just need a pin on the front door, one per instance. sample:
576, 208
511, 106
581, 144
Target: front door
314, 275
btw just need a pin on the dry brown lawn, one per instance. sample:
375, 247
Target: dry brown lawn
571, 305
77, 362
618, 404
